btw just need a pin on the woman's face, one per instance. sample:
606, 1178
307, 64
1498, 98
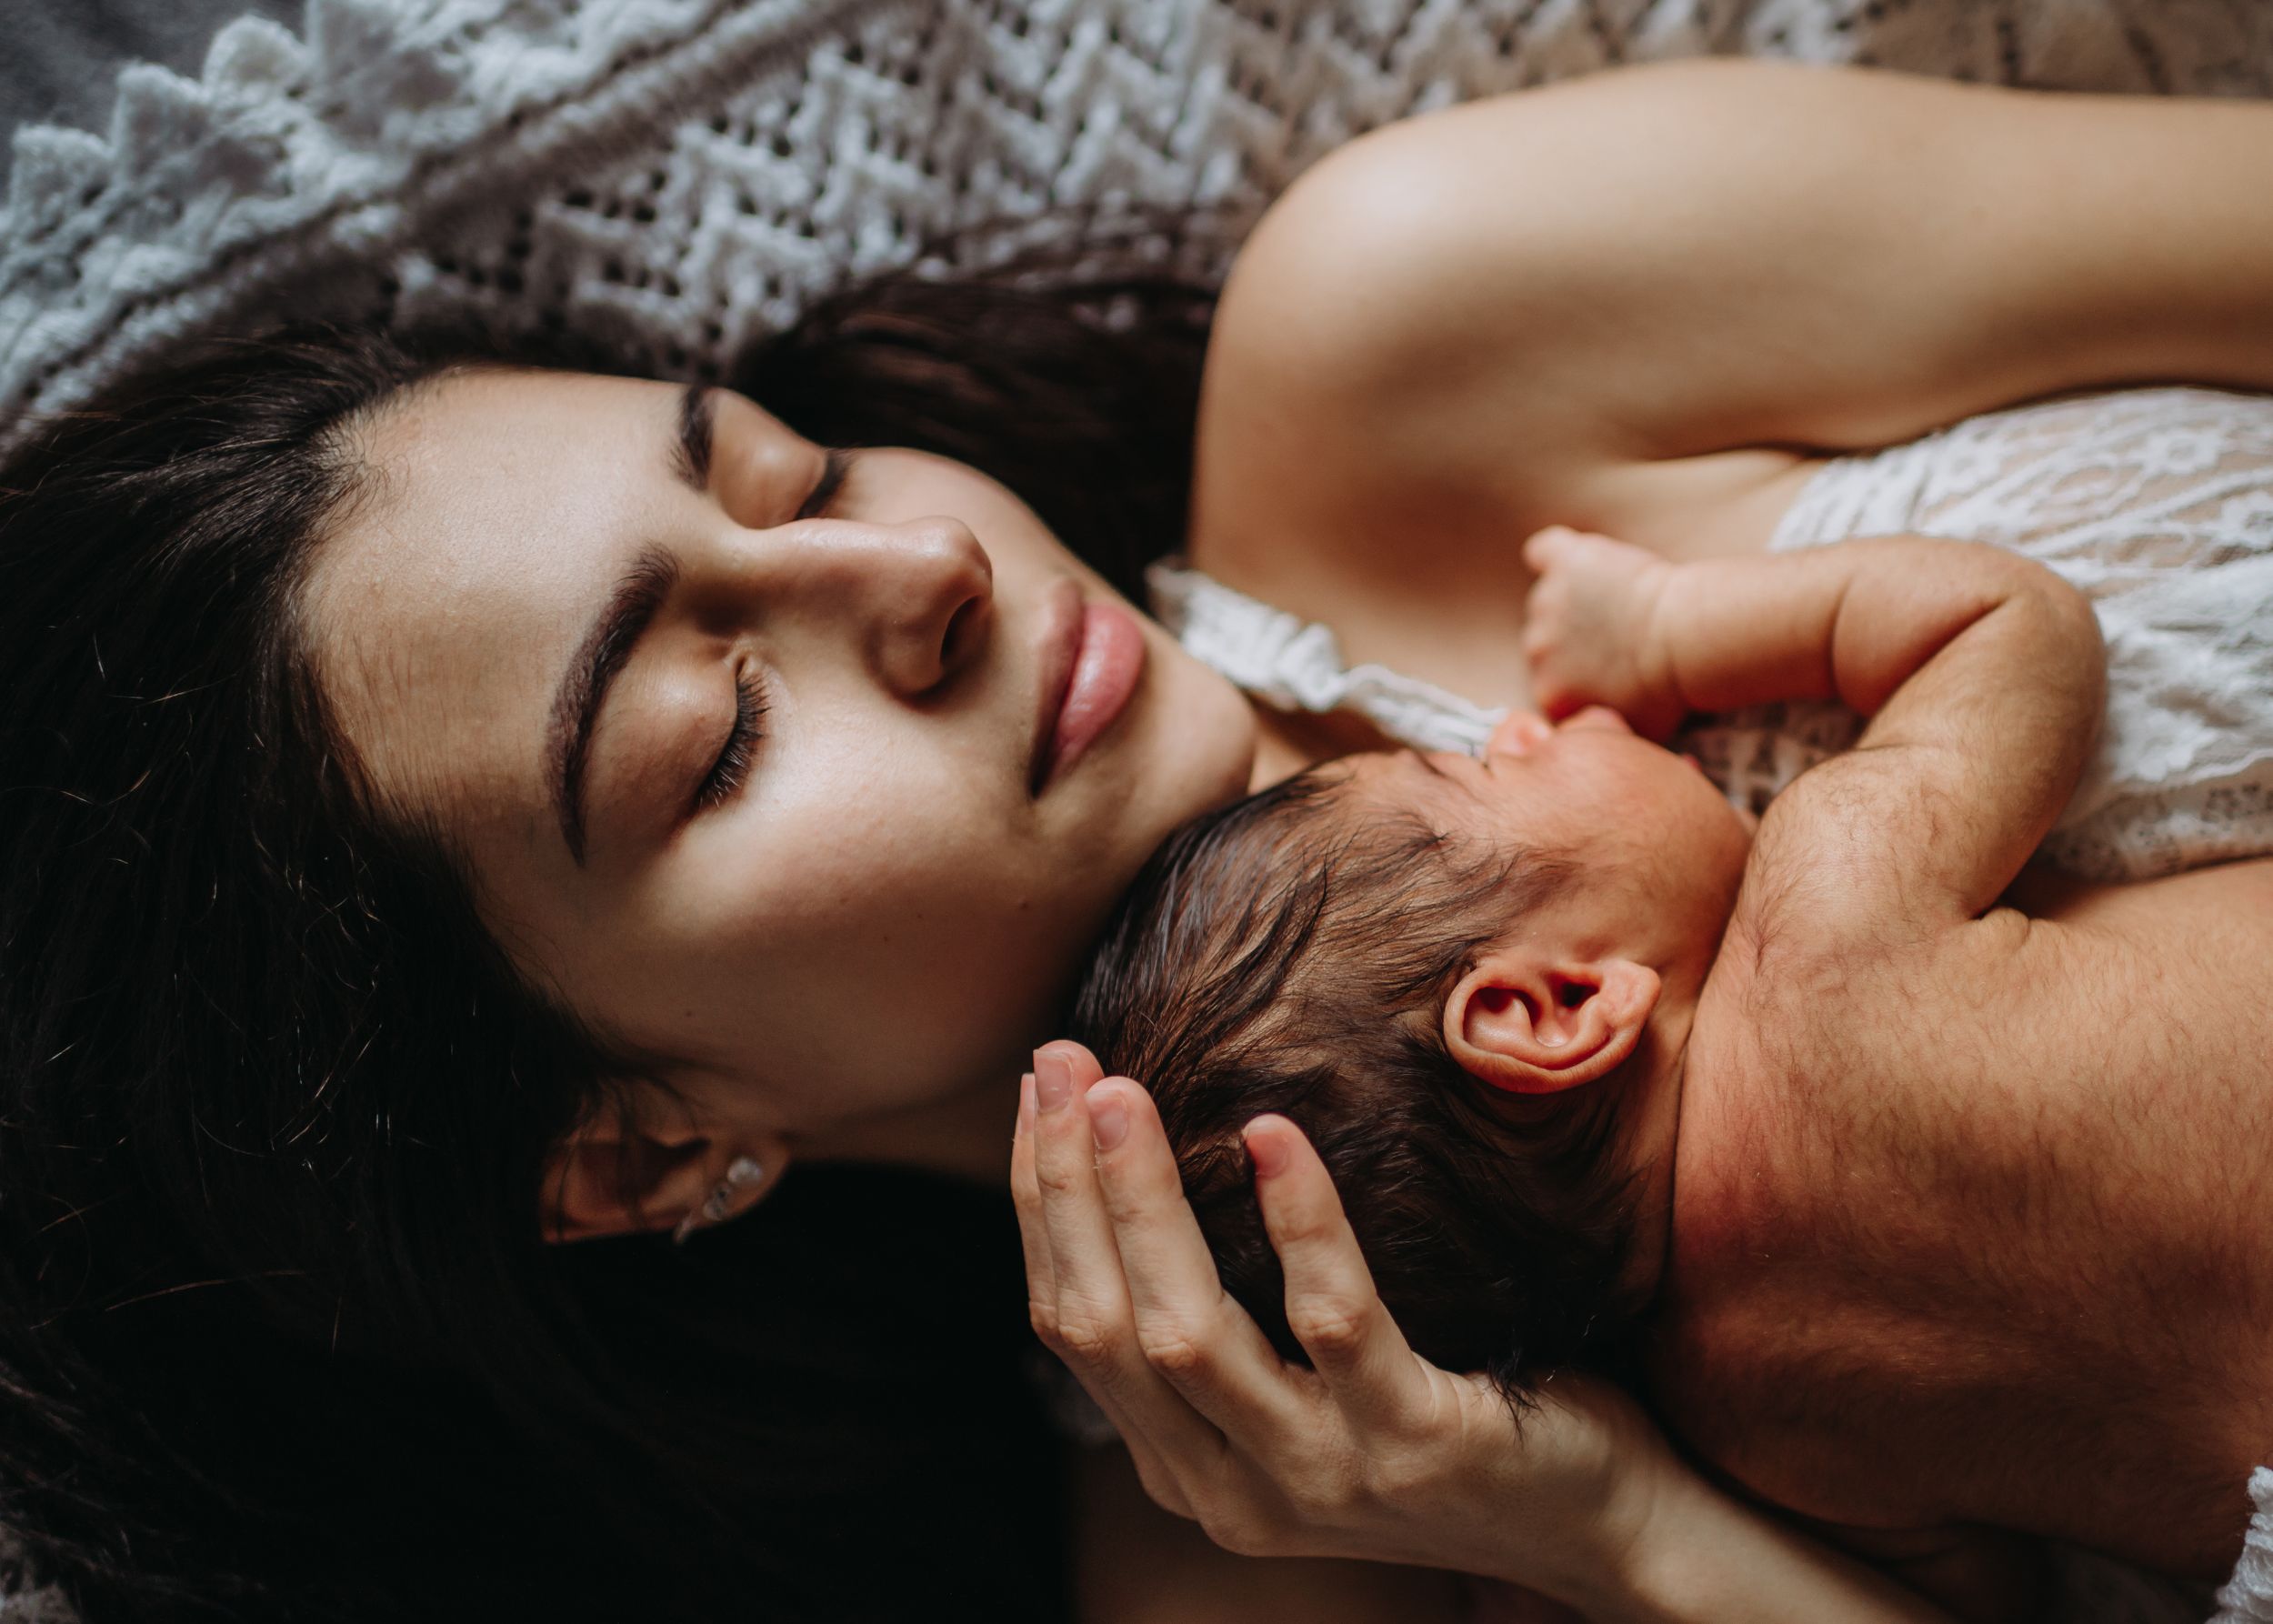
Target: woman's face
820, 795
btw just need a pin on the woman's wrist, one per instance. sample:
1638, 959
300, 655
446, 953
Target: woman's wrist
1658, 1508
1622, 1490
1686, 1553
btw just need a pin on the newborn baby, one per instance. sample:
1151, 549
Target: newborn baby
1852, 1140
1404, 954
1354, 949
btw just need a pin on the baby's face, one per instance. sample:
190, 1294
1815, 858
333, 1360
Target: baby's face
1625, 809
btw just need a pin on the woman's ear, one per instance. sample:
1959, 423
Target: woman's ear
1529, 1023
613, 1177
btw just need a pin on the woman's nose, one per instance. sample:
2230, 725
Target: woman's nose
918, 595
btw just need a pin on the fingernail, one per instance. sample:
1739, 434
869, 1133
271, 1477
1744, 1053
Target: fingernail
1052, 1080
1109, 1117
1025, 1107
1268, 1154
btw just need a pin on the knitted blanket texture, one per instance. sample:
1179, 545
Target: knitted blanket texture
683, 176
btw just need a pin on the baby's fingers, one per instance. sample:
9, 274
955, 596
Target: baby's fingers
1559, 545
1546, 548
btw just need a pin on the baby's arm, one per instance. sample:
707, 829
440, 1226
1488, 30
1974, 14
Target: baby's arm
1983, 673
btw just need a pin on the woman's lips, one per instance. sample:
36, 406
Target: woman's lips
1101, 658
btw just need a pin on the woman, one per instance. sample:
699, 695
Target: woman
455, 810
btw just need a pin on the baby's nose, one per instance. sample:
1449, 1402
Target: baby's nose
1599, 718
1521, 732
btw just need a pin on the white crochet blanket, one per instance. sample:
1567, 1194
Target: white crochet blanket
686, 175
689, 172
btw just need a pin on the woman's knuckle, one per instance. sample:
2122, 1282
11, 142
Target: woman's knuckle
1088, 1336
1324, 1497
1175, 1352
1372, 1481
1328, 1324
1312, 1502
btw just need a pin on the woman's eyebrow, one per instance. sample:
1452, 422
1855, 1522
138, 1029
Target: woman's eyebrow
584, 686
690, 455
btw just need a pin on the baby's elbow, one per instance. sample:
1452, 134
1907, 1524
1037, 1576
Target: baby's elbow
2068, 628
2080, 625
2046, 624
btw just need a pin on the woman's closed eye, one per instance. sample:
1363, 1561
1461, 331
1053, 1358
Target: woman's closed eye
821, 502
731, 770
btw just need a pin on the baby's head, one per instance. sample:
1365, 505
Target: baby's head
1458, 977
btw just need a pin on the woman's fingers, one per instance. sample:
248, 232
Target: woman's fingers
1025, 1197
1041, 1286
1089, 1323
1191, 1332
1331, 1304
1087, 1300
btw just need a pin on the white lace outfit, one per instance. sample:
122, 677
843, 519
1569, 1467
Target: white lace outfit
2247, 1598
2158, 503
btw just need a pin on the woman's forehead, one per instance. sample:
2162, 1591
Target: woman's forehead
440, 606
488, 457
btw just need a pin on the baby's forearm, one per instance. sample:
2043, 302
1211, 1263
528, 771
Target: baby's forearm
1852, 622
1987, 667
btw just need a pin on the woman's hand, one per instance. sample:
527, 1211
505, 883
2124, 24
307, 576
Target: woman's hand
1374, 1453
1591, 630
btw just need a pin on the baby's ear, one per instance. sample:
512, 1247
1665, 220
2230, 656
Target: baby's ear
1530, 1022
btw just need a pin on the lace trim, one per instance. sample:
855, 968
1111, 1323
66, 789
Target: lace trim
2248, 1597
1297, 665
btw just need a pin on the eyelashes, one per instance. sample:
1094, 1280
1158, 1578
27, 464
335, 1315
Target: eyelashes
822, 502
728, 773
732, 769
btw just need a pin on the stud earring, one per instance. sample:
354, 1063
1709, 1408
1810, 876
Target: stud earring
743, 1173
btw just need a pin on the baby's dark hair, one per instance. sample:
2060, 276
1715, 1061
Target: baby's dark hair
1283, 955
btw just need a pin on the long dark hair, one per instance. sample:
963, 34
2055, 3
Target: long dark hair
279, 1333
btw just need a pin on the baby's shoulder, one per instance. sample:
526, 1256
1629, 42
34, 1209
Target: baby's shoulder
1797, 991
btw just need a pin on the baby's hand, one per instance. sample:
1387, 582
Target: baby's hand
1590, 630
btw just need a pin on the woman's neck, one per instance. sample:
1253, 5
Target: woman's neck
1286, 742
967, 1134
